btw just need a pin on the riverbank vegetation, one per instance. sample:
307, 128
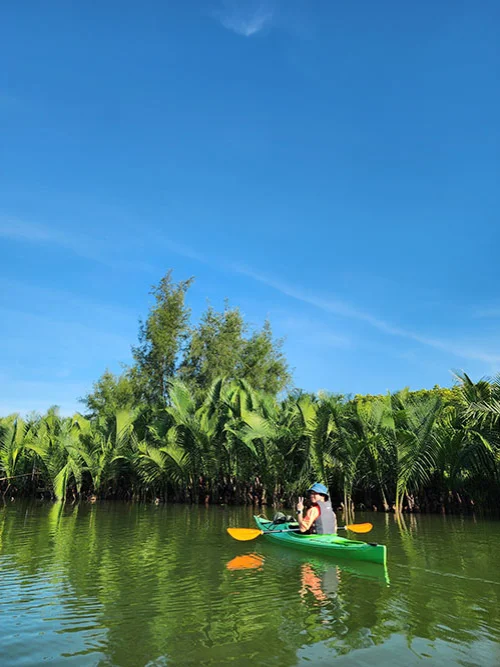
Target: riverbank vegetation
206, 414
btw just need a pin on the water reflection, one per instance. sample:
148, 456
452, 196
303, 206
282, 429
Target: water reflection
132, 585
363, 570
316, 583
246, 562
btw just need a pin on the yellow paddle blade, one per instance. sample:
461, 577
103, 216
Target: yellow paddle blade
244, 534
360, 527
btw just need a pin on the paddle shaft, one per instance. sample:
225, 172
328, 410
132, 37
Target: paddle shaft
286, 530
293, 530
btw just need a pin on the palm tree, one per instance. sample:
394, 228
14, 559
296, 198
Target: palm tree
187, 452
13, 430
375, 420
258, 425
470, 438
110, 442
415, 442
61, 450
348, 449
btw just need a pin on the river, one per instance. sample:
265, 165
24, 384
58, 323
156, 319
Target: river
130, 585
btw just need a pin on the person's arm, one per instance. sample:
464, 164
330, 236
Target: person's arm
305, 522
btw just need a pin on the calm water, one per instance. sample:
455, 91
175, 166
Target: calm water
142, 585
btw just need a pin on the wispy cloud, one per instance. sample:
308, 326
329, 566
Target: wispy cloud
346, 310
335, 306
82, 245
312, 333
182, 250
49, 299
244, 17
109, 253
69, 333
491, 311
89, 248
11, 228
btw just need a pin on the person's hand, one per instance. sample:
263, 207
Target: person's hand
300, 504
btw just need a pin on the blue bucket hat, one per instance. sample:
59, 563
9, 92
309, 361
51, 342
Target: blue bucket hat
319, 488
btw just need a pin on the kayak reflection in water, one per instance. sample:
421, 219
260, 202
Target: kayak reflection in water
320, 518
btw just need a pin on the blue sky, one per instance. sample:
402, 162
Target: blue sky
333, 166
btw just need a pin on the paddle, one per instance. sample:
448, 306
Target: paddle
245, 534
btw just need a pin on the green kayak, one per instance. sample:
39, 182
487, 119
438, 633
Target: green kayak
324, 544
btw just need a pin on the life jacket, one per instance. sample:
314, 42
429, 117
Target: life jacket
326, 523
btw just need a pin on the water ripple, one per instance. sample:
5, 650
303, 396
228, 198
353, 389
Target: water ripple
135, 585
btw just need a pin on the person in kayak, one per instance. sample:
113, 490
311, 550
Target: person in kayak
320, 518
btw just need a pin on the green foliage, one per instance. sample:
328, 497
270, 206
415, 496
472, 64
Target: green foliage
233, 443
200, 416
109, 394
262, 362
161, 339
215, 347
171, 347
218, 347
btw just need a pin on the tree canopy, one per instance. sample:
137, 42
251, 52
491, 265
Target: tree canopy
171, 346
202, 416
